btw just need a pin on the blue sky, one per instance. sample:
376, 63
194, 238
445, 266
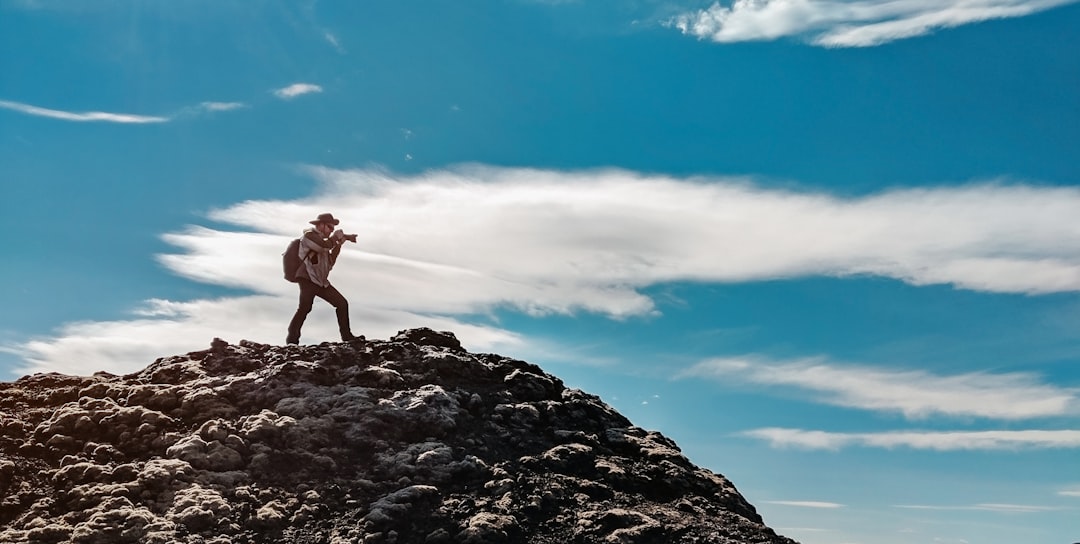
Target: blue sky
829, 247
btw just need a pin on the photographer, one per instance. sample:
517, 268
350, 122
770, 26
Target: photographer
319, 248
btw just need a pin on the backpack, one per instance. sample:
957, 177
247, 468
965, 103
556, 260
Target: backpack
291, 260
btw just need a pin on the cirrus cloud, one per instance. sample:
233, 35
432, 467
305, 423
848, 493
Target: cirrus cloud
221, 106
846, 23
808, 504
121, 118
89, 116
555, 241
1005, 508
448, 244
296, 89
919, 440
913, 393
163, 326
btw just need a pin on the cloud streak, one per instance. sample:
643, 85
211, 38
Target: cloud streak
559, 241
83, 117
808, 504
472, 240
296, 89
917, 440
202, 108
333, 40
169, 327
221, 106
913, 393
846, 23
1002, 508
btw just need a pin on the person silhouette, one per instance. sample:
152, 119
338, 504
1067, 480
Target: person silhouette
319, 249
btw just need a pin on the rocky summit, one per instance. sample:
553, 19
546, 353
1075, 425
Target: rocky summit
410, 440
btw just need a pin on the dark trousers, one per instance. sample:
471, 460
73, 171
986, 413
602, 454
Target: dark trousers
308, 292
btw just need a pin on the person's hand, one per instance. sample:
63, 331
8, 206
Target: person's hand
339, 236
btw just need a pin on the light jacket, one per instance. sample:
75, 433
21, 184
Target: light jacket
318, 255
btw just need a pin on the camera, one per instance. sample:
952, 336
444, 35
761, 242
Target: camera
339, 236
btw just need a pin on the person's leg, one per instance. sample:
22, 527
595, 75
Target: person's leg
341, 308
307, 299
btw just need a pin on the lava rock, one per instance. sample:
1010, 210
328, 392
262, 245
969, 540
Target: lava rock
408, 441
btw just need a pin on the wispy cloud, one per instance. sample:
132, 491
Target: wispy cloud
984, 507
914, 393
471, 240
89, 116
222, 106
297, 89
208, 109
1073, 492
793, 530
846, 23
918, 440
333, 40
168, 327
587, 239
808, 504
202, 108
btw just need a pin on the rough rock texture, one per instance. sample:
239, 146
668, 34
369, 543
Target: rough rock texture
411, 440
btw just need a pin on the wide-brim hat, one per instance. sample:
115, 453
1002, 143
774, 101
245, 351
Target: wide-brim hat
325, 218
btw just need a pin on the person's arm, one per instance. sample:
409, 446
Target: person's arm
315, 242
338, 237
312, 245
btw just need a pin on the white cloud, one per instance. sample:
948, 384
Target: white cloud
297, 89
474, 239
555, 241
90, 116
918, 440
170, 328
333, 40
846, 23
1013, 508
221, 106
208, 108
984, 507
1074, 492
914, 393
808, 504
124, 118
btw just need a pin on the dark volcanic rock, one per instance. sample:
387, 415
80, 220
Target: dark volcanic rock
413, 440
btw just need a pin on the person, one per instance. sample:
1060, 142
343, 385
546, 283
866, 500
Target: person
319, 249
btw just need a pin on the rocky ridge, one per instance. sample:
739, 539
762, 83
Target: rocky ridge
410, 440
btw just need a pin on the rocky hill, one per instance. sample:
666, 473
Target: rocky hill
411, 440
